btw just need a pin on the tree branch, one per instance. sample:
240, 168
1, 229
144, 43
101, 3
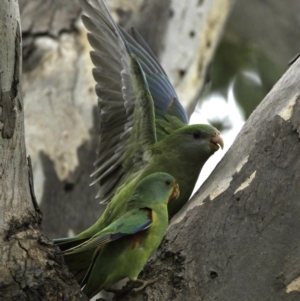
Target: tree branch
238, 238
29, 267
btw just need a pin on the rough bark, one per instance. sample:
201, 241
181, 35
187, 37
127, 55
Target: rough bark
29, 267
238, 238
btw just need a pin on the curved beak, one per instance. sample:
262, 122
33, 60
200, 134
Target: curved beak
175, 192
218, 141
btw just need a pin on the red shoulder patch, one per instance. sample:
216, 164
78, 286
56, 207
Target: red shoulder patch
137, 240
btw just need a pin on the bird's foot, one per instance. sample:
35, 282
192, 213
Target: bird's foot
144, 283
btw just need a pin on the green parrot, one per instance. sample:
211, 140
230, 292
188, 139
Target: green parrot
143, 127
125, 245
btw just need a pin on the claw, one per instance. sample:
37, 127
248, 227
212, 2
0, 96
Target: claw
144, 283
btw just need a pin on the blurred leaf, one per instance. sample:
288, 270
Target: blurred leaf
246, 69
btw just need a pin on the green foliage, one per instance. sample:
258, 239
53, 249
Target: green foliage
249, 71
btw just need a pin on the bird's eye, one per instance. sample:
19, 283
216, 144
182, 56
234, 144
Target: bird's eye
196, 135
168, 182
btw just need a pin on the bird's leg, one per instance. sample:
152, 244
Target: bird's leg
144, 283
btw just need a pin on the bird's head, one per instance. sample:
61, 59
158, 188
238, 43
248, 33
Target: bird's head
196, 141
157, 188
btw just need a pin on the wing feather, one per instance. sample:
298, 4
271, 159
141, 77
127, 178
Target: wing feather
132, 90
133, 221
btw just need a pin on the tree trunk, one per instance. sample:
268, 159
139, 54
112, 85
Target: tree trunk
29, 267
238, 238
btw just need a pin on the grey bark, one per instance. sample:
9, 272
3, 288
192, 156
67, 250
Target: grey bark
238, 238
196, 25
60, 114
30, 269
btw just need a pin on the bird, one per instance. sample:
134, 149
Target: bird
124, 246
143, 127
142, 122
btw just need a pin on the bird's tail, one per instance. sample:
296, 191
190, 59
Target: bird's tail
69, 242
77, 263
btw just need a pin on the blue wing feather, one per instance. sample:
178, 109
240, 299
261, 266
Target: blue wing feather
163, 93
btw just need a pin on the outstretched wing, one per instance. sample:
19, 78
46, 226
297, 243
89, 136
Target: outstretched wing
162, 91
133, 221
125, 102
129, 79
